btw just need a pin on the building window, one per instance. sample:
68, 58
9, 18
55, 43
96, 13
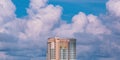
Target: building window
63, 54
52, 53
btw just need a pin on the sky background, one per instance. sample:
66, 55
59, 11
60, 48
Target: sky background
25, 26
70, 7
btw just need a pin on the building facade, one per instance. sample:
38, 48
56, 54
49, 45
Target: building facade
61, 49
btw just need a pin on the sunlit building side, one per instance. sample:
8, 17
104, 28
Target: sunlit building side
61, 49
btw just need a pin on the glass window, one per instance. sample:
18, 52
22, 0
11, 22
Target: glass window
52, 53
63, 54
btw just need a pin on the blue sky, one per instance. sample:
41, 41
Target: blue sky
26, 25
21, 6
70, 7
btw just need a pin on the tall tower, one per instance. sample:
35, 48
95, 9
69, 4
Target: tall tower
61, 49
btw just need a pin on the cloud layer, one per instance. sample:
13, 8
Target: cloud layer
25, 38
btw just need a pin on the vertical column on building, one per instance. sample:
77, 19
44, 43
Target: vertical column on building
72, 49
57, 49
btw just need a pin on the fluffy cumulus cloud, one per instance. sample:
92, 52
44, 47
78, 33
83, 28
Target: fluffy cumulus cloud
6, 5
81, 23
114, 7
25, 38
5, 15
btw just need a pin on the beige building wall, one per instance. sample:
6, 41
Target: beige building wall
59, 49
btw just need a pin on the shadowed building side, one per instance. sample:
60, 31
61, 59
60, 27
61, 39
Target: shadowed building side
61, 49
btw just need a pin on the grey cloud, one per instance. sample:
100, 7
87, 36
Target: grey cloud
7, 38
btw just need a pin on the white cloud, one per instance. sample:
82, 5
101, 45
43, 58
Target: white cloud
113, 7
7, 9
31, 33
82, 23
79, 22
95, 26
42, 22
37, 4
32, 30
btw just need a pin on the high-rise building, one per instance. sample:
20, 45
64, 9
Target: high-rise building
61, 49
